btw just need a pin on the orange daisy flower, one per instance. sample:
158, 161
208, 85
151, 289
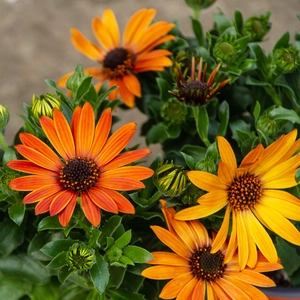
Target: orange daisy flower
119, 61
88, 166
198, 274
252, 197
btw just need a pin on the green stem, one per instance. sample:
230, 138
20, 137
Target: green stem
3, 142
275, 97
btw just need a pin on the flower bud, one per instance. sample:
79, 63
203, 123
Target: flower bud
114, 253
258, 27
44, 105
4, 116
80, 257
191, 194
207, 164
287, 59
226, 48
170, 179
199, 4
173, 112
268, 126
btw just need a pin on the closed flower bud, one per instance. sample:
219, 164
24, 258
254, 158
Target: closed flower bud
268, 126
4, 116
44, 105
170, 179
173, 112
80, 257
226, 48
199, 4
258, 27
114, 253
287, 59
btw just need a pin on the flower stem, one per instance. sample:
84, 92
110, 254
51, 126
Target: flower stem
3, 142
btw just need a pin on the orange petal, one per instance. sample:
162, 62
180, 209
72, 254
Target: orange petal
232, 245
37, 158
109, 20
187, 291
168, 258
132, 84
42, 193
36, 144
85, 134
32, 182
160, 40
26, 166
115, 144
101, 133
227, 155
43, 205
65, 215
60, 201
220, 293
125, 94
102, 200
136, 27
49, 129
85, 46
252, 156
125, 158
200, 232
171, 241
206, 181
120, 184
64, 133
199, 290
224, 173
164, 272
174, 286
123, 203
234, 291
153, 64
91, 210
62, 81
242, 239
133, 172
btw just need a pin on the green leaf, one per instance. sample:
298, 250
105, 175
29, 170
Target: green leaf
260, 58
223, 114
45, 292
196, 152
256, 111
109, 228
157, 134
49, 223
280, 113
16, 212
23, 267
116, 276
83, 88
256, 82
239, 21
189, 160
121, 294
198, 30
11, 236
283, 42
164, 88
58, 261
222, 22
137, 254
54, 248
124, 240
64, 273
8, 155
202, 121
95, 234
100, 274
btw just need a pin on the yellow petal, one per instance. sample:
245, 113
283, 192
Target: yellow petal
234, 291
242, 239
187, 290
164, 272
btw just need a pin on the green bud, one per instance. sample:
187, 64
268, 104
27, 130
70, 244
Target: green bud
170, 179
44, 105
207, 164
174, 112
226, 48
4, 116
199, 4
114, 253
287, 59
258, 27
268, 126
6, 176
80, 257
191, 194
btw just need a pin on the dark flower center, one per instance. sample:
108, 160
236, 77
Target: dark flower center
207, 266
244, 192
118, 62
79, 174
194, 92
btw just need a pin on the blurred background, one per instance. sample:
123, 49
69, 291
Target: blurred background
35, 40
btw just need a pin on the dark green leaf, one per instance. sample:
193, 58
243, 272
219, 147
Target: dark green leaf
49, 223
11, 236
223, 114
222, 22
54, 248
100, 274
256, 111
198, 30
120, 294
157, 134
189, 160
196, 152
164, 88
64, 273
95, 234
25, 268
124, 240
83, 88
280, 113
239, 21
116, 276
8, 155
283, 42
137, 254
45, 292
109, 228
58, 261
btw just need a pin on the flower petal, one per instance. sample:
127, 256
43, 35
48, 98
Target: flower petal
26, 166
42, 193
133, 172
168, 258
125, 94
199, 290
187, 290
120, 184
115, 144
171, 241
109, 20
234, 291
43, 205
164, 272
65, 215
91, 210
32, 182
132, 84
206, 181
60, 201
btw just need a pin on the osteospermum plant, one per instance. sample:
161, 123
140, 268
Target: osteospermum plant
81, 215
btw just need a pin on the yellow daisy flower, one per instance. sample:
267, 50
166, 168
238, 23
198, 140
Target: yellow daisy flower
120, 60
253, 198
198, 274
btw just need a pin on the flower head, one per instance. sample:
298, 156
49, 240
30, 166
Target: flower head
80, 257
195, 272
88, 166
253, 198
195, 91
258, 27
44, 105
120, 60
226, 48
287, 59
173, 112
